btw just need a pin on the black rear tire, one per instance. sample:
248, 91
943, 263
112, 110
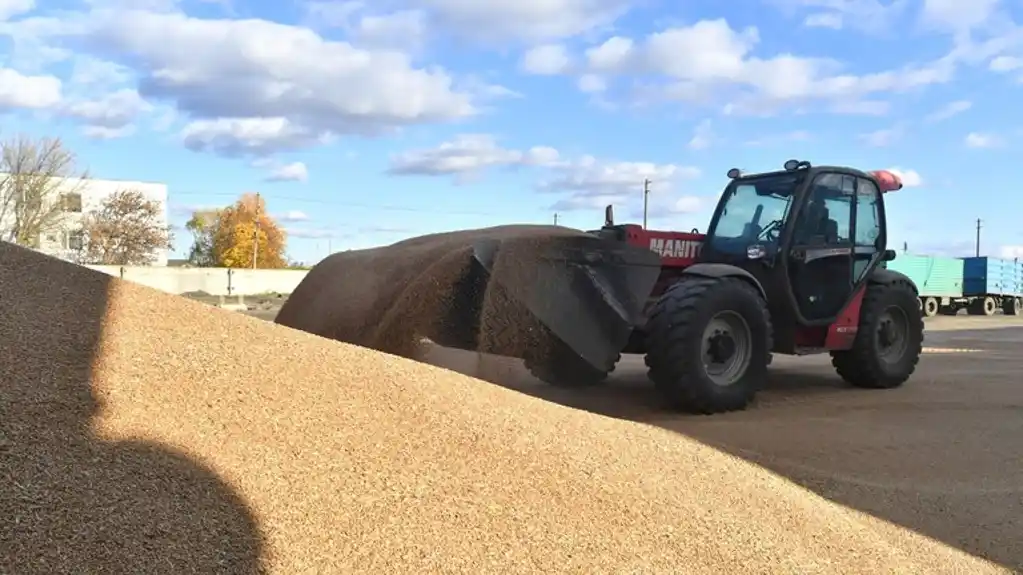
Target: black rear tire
983, 306
692, 322
1012, 306
876, 361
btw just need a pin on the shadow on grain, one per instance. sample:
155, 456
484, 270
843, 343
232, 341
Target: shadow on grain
71, 502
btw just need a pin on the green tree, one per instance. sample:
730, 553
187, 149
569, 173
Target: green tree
203, 227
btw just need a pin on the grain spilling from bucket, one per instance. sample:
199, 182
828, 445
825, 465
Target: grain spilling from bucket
141, 432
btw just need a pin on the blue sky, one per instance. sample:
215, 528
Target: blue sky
362, 123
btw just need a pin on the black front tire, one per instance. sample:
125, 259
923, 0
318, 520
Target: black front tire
865, 365
676, 343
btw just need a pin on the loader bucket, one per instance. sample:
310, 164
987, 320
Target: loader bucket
587, 291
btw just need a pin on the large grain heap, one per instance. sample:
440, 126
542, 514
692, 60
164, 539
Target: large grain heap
142, 433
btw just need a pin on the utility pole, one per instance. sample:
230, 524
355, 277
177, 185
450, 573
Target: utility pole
255, 235
646, 198
555, 218
979, 222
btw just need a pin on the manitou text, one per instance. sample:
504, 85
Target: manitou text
676, 248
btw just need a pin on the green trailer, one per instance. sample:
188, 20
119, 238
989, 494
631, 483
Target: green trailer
939, 279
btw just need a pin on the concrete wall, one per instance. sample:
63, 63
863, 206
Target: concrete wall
214, 281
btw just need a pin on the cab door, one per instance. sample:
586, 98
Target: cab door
868, 229
821, 256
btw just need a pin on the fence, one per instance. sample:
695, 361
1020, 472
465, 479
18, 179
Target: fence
214, 281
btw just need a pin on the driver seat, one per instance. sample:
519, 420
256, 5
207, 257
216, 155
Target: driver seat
827, 227
820, 228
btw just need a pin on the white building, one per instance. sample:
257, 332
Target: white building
83, 196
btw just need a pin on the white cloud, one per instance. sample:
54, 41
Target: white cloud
1005, 64
106, 133
979, 140
688, 205
88, 71
31, 92
949, 110
239, 71
701, 63
957, 15
869, 16
402, 29
247, 136
292, 216
517, 20
330, 13
591, 83
546, 60
468, 153
585, 182
110, 115
1011, 252
589, 183
9, 8
703, 136
293, 172
829, 20
910, 178
611, 55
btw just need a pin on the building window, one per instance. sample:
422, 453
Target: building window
75, 241
72, 203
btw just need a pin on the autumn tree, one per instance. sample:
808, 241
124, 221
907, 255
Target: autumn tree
246, 228
128, 229
203, 226
39, 184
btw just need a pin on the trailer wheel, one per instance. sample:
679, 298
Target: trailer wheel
557, 364
889, 340
930, 306
1012, 305
708, 344
983, 306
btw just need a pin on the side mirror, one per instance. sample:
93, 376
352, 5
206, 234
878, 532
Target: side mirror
889, 255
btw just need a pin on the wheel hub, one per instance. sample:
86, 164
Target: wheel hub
892, 334
721, 346
727, 348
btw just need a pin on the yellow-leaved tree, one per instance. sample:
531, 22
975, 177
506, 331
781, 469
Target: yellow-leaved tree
246, 227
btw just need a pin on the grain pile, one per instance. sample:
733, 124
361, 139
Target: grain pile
143, 433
